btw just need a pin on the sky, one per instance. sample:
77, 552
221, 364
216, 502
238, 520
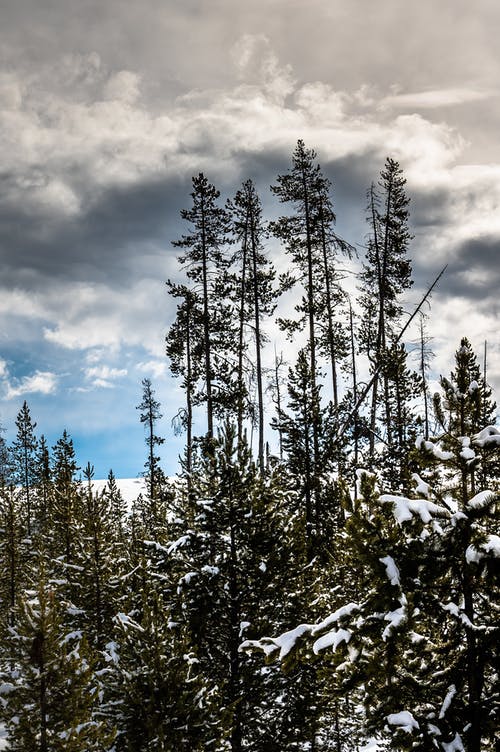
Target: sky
108, 109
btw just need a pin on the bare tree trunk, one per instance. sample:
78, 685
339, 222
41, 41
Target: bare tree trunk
206, 328
329, 309
241, 335
258, 346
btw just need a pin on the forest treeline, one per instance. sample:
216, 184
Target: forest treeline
334, 584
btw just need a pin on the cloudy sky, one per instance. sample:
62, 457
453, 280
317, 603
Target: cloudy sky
108, 108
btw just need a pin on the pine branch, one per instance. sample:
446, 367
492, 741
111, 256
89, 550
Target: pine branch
367, 388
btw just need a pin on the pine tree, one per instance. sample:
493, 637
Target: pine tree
66, 502
255, 297
299, 187
44, 488
117, 509
153, 692
100, 564
308, 467
465, 409
206, 265
24, 451
14, 554
154, 513
62, 543
385, 276
184, 348
5, 459
52, 698
404, 386
227, 570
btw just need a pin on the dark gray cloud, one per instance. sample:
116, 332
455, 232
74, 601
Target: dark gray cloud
99, 244
474, 273
108, 109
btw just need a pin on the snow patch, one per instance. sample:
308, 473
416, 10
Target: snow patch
392, 570
480, 500
332, 640
490, 546
489, 436
434, 449
404, 720
454, 746
130, 488
452, 691
422, 488
405, 509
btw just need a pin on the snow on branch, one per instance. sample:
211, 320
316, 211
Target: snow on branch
405, 509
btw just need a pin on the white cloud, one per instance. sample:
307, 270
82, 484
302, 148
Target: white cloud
155, 368
436, 98
104, 376
106, 135
95, 316
123, 86
42, 382
105, 372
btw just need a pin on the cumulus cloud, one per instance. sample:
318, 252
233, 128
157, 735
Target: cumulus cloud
155, 368
89, 317
41, 382
104, 376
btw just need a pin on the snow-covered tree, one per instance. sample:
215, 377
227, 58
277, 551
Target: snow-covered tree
50, 692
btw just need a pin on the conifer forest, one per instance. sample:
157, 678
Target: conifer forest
321, 574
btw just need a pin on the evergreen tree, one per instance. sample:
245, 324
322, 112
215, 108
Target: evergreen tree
52, 698
14, 554
24, 451
44, 489
185, 351
100, 561
403, 388
66, 503
156, 696
117, 509
5, 460
465, 408
206, 265
385, 276
62, 545
298, 426
227, 568
254, 295
150, 415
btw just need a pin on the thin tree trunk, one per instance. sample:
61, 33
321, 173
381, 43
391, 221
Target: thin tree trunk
189, 405
329, 308
206, 327
424, 379
234, 626
258, 347
355, 398
312, 336
241, 334
277, 364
